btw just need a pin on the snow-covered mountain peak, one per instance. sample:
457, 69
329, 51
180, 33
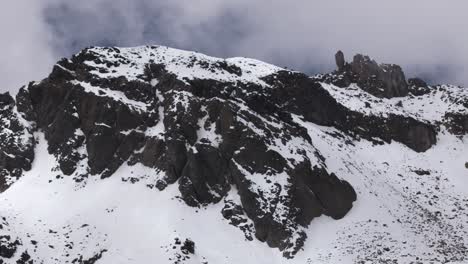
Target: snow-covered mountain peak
186, 65
153, 154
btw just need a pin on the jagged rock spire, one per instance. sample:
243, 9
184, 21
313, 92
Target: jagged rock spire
340, 60
381, 80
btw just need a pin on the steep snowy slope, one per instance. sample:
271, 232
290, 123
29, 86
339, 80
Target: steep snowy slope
157, 155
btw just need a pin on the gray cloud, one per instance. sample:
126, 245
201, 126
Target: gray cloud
426, 37
25, 52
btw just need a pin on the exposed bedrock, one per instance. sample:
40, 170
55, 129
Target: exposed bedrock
16, 141
384, 80
457, 123
72, 118
213, 137
208, 136
299, 94
417, 87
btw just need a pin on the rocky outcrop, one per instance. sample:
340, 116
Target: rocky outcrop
384, 80
457, 123
205, 134
417, 87
8, 246
16, 141
72, 117
304, 96
340, 61
211, 126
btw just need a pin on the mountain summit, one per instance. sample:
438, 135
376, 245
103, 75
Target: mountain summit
153, 154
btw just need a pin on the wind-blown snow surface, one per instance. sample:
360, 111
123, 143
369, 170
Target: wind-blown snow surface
411, 207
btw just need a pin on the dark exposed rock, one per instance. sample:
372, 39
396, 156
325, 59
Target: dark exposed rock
331, 193
384, 80
303, 96
234, 213
417, 82
422, 172
8, 246
182, 252
68, 115
204, 178
417, 135
152, 151
457, 123
16, 142
418, 87
25, 258
188, 246
340, 60
91, 260
24, 105
210, 136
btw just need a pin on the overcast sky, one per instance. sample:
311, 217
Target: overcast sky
426, 37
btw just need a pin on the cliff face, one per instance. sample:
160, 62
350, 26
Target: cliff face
206, 134
16, 141
214, 127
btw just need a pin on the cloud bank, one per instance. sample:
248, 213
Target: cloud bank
25, 53
426, 37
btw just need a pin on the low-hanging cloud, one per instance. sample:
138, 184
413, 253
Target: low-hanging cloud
426, 37
25, 53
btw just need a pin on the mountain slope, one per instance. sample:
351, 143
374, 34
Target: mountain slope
132, 155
